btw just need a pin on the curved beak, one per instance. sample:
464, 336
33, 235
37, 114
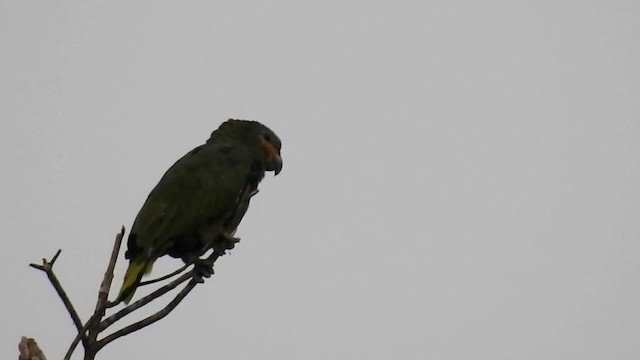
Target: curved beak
274, 164
273, 158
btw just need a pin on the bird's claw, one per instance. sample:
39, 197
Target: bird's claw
225, 242
203, 268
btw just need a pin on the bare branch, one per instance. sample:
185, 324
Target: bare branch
55, 257
47, 267
82, 335
89, 332
103, 293
145, 300
193, 274
101, 305
153, 318
165, 277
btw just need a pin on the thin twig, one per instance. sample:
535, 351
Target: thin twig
89, 331
82, 335
192, 274
165, 277
153, 318
103, 293
145, 300
47, 267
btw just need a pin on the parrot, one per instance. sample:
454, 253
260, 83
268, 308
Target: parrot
201, 199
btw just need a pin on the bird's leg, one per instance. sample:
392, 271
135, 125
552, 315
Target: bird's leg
204, 267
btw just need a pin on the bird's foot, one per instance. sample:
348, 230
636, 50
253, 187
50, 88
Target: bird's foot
225, 242
203, 267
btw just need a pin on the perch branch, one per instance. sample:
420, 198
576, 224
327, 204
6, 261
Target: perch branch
88, 333
195, 277
153, 318
165, 277
101, 305
144, 301
192, 274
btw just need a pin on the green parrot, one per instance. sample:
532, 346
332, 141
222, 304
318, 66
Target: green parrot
201, 199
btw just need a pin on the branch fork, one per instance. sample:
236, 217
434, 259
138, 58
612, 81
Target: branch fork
89, 332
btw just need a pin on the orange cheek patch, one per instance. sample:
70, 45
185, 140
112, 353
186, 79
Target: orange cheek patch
269, 150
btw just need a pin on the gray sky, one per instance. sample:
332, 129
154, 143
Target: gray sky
461, 179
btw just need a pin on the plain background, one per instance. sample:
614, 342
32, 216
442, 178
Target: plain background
461, 178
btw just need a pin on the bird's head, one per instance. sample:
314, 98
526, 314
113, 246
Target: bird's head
271, 145
263, 142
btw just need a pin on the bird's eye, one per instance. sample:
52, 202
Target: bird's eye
267, 137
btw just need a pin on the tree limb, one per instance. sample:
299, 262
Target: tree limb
47, 267
165, 277
195, 280
145, 300
89, 332
101, 306
103, 293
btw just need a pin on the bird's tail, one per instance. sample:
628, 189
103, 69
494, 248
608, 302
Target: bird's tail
137, 268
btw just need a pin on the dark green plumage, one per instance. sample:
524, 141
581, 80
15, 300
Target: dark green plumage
201, 198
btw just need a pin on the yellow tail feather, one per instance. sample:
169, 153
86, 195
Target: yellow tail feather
135, 271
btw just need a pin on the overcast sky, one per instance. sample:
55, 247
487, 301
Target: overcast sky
461, 178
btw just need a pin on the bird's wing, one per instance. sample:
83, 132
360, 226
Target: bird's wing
202, 186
